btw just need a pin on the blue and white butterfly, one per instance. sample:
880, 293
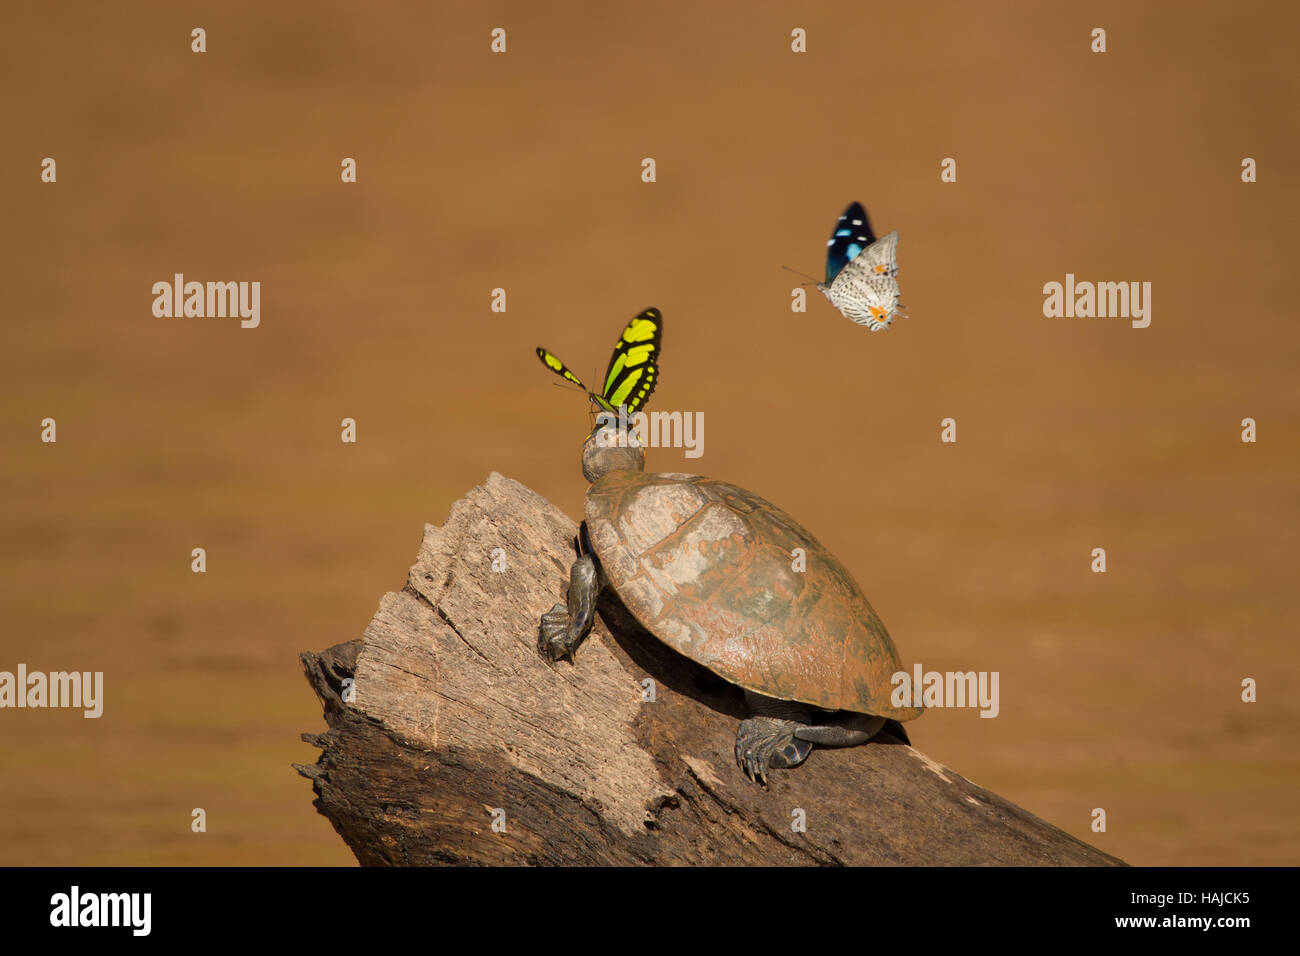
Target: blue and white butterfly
862, 271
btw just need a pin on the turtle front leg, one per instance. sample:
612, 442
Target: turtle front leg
563, 628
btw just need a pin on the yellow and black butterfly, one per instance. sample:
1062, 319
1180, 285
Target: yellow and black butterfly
633, 368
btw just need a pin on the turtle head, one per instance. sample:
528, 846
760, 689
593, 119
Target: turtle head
609, 448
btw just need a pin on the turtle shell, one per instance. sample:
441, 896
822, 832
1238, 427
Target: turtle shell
708, 569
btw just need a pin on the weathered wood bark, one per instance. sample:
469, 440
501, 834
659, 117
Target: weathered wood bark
453, 715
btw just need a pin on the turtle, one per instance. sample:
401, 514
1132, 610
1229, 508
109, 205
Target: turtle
737, 585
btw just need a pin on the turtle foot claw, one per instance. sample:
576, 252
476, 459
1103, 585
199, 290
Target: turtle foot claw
768, 743
553, 638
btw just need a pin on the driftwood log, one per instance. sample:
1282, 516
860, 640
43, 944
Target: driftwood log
451, 741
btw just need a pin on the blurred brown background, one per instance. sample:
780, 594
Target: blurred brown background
522, 170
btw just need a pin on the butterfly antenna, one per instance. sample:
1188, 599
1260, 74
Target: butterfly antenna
804, 274
569, 386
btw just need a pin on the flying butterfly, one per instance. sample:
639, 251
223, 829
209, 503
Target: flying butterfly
862, 271
633, 368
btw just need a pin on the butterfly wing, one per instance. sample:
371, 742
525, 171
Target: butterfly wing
881, 257
633, 368
559, 368
852, 234
866, 290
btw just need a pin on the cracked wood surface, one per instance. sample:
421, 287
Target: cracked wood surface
453, 721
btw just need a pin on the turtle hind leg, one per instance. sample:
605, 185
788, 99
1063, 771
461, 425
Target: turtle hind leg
768, 740
769, 743
564, 627
847, 731
781, 734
